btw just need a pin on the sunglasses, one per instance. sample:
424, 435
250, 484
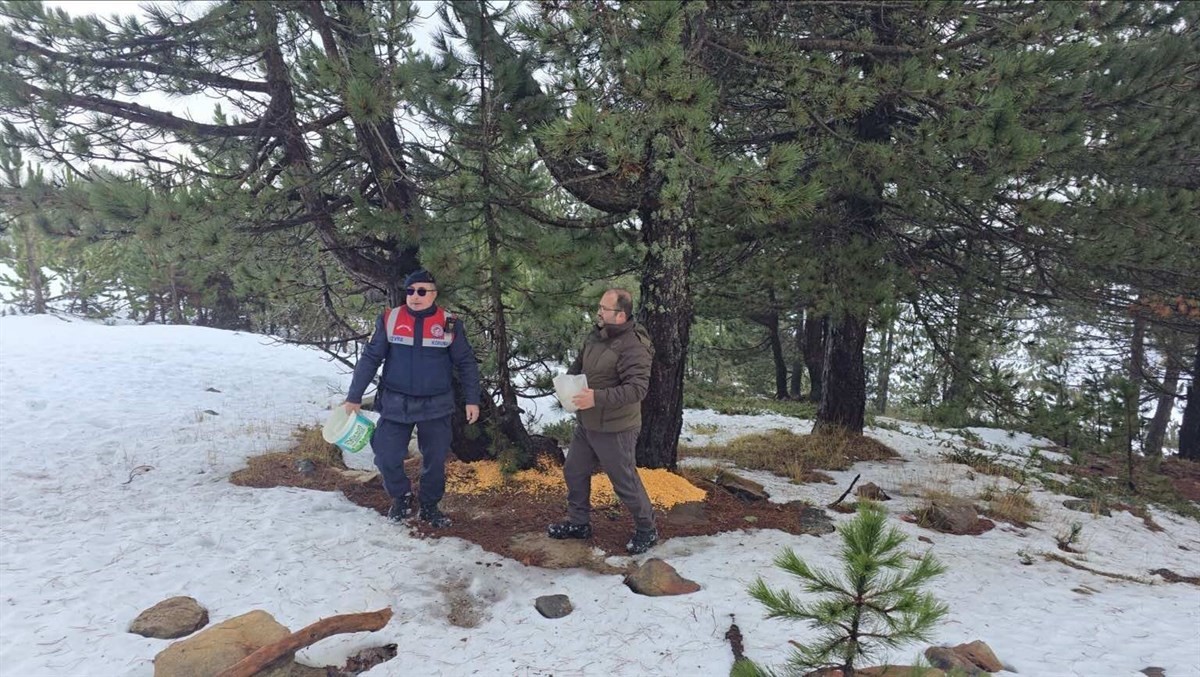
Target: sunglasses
419, 292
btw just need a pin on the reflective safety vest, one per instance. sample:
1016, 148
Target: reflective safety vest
437, 331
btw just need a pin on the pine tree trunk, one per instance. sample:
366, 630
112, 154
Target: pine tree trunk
797, 385
1189, 432
815, 327
1162, 411
666, 313
176, 301
957, 397
884, 373
1133, 391
844, 389
33, 271
770, 320
781, 371
844, 397
509, 412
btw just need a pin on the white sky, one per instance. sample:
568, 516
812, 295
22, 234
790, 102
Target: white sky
114, 495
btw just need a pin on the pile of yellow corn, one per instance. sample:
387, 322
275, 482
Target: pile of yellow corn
664, 487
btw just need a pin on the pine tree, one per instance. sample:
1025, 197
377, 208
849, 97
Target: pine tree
947, 136
518, 264
637, 144
876, 602
310, 148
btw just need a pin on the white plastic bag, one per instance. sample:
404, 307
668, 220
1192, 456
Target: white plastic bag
567, 386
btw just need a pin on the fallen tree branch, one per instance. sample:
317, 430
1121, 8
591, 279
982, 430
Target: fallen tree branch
326, 627
846, 492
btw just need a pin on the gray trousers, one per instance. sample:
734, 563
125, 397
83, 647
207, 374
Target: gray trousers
615, 453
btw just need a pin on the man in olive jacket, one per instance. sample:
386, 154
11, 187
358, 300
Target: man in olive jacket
616, 359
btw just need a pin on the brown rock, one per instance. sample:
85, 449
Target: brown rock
945, 658
979, 653
741, 487
208, 652
656, 578
952, 517
872, 491
170, 619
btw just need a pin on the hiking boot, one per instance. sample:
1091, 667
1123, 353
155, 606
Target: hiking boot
562, 530
402, 508
641, 541
434, 517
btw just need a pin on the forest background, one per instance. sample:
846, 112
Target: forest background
955, 212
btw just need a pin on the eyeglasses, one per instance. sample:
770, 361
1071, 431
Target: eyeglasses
611, 310
419, 291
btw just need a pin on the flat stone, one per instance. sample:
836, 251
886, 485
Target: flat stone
745, 489
170, 619
952, 517
553, 606
539, 549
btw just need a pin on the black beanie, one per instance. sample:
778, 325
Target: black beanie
419, 275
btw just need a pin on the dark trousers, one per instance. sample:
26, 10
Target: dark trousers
615, 453
390, 442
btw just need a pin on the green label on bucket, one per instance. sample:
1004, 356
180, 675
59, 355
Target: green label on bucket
357, 437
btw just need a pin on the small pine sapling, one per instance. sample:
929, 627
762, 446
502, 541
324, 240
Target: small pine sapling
877, 601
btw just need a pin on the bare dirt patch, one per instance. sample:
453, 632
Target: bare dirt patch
500, 519
1185, 477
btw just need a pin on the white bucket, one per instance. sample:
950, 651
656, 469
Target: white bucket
350, 432
567, 386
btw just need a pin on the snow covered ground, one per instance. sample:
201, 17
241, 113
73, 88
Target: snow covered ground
116, 443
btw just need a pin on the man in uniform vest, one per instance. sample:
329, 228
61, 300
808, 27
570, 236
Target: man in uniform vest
420, 346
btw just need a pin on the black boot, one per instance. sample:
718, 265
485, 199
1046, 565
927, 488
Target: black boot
434, 517
561, 530
642, 541
402, 508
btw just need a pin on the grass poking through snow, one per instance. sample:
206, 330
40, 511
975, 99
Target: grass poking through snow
798, 457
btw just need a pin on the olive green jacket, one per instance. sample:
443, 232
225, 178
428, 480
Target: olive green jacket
616, 360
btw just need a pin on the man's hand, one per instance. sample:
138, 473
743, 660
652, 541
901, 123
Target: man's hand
472, 413
586, 399
351, 407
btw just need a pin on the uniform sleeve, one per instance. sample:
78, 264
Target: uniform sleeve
368, 363
463, 358
633, 368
